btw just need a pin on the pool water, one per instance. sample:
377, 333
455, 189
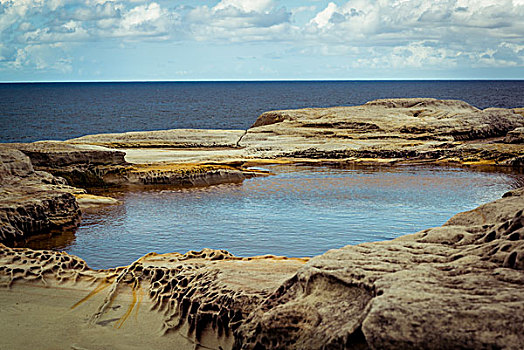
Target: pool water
298, 211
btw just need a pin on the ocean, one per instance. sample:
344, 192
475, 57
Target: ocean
60, 111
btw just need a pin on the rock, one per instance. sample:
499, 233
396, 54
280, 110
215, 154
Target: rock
32, 202
515, 136
55, 154
35, 202
85, 200
180, 138
184, 174
455, 286
181, 301
94, 166
391, 130
399, 129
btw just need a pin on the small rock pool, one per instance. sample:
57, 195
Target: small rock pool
298, 211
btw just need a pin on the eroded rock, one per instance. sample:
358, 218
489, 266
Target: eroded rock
515, 136
396, 129
200, 298
455, 286
32, 202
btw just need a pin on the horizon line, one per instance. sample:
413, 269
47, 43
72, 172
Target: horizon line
245, 80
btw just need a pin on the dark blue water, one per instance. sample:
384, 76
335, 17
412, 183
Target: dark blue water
300, 211
59, 111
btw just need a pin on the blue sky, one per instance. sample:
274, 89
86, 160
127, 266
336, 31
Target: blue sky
64, 40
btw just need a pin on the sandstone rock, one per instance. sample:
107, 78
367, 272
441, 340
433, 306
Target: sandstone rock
391, 130
55, 154
455, 286
180, 138
401, 129
515, 136
185, 301
32, 202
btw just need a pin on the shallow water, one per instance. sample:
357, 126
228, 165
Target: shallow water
299, 211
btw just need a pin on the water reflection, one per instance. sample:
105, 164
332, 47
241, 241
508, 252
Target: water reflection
300, 211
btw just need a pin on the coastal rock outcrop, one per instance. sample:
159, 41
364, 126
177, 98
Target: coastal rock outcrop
182, 301
95, 166
391, 129
32, 202
387, 130
455, 286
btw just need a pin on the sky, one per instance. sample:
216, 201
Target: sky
99, 40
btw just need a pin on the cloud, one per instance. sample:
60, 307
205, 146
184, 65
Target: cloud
27, 27
417, 32
42, 34
238, 20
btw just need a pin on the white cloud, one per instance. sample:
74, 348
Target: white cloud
393, 33
144, 20
246, 6
238, 20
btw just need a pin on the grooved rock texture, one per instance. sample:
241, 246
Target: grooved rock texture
32, 202
458, 286
198, 298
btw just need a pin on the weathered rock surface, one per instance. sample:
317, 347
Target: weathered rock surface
55, 154
515, 136
92, 165
160, 301
32, 202
176, 138
450, 287
394, 129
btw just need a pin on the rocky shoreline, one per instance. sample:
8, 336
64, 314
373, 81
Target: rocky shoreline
455, 286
